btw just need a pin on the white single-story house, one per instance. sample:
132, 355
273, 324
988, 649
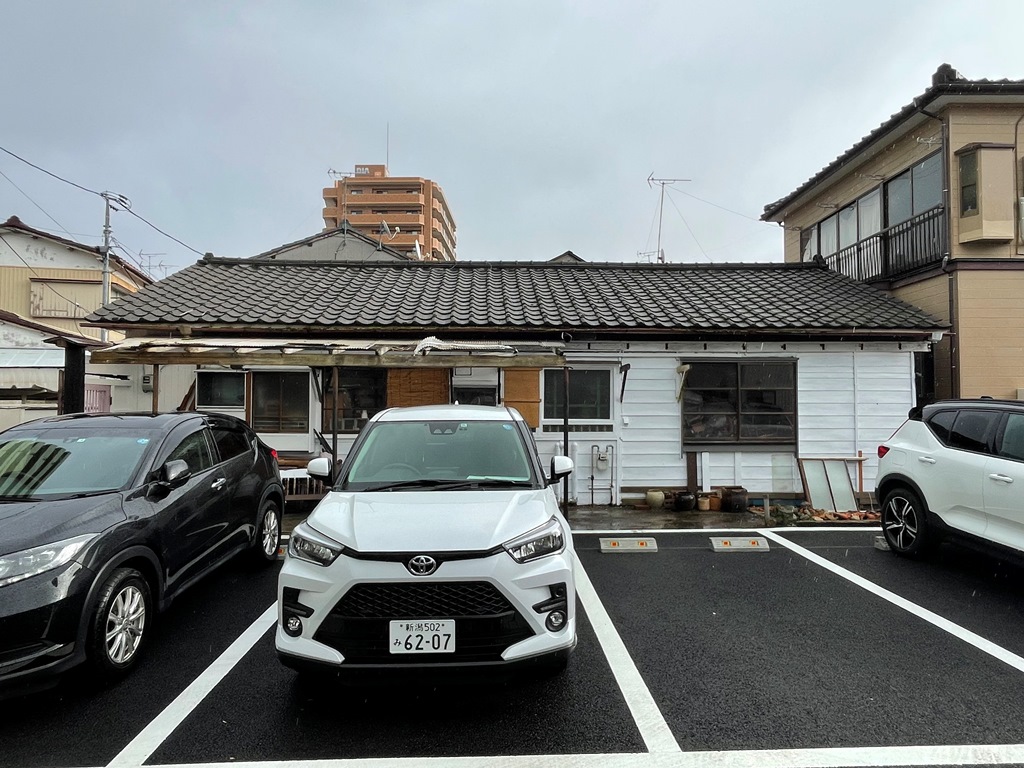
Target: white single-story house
678, 375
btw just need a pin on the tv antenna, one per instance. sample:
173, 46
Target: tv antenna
651, 181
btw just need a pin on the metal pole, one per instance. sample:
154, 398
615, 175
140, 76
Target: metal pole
106, 257
334, 408
565, 438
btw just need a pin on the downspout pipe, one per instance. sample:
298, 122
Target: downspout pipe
954, 347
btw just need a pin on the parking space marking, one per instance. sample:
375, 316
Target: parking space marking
649, 720
979, 642
153, 735
826, 757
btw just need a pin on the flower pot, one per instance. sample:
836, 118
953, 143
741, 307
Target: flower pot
655, 499
685, 501
703, 503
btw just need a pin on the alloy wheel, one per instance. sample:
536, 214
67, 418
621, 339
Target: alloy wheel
271, 531
900, 523
126, 621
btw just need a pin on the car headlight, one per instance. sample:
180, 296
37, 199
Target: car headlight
31, 562
306, 544
547, 539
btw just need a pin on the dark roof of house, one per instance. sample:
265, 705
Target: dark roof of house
523, 296
946, 82
342, 229
17, 224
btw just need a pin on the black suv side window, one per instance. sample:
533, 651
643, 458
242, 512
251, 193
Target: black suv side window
972, 430
941, 424
194, 449
231, 442
1012, 444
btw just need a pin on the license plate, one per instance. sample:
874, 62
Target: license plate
422, 637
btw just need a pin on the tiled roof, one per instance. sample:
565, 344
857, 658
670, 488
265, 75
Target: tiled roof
524, 296
945, 82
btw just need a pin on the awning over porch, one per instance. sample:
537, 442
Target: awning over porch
429, 352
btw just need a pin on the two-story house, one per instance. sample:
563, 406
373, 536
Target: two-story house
929, 207
48, 285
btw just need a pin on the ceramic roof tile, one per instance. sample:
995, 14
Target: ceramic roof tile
531, 295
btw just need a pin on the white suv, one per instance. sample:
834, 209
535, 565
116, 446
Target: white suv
440, 545
954, 469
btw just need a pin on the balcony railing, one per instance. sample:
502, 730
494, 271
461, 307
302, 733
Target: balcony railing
902, 248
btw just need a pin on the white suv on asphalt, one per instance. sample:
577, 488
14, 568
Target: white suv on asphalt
440, 545
954, 469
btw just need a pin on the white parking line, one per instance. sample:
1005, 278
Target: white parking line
979, 642
649, 720
153, 735
953, 755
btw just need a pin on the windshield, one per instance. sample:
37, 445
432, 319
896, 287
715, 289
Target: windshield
418, 454
51, 463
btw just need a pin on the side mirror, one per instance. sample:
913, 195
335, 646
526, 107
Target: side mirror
560, 467
320, 468
175, 473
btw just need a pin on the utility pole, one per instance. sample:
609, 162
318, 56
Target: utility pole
651, 181
125, 203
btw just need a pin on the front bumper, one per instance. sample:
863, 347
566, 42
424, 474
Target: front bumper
39, 623
345, 610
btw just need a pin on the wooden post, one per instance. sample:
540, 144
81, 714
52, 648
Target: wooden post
334, 409
156, 388
565, 437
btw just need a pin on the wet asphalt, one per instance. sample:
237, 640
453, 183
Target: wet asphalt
763, 651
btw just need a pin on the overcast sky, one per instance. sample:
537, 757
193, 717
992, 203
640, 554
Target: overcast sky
541, 121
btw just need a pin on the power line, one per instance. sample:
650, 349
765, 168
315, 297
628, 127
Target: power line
37, 205
48, 173
100, 194
46, 284
722, 207
688, 228
154, 226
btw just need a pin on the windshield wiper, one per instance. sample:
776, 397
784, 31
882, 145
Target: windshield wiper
450, 485
423, 482
19, 498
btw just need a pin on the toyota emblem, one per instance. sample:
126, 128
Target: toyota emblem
421, 565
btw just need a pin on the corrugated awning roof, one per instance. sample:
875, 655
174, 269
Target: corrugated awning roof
427, 352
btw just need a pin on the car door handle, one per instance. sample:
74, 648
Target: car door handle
926, 459
217, 484
1001, 478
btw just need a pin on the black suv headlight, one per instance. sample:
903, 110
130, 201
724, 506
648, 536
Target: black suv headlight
547, 539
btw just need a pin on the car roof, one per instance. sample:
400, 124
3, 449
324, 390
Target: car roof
112, 421
450, 413
976, 402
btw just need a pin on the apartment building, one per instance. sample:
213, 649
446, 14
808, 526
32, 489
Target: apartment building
408, 214
928, 206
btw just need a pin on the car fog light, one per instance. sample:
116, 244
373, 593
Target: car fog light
293, 626
555, 620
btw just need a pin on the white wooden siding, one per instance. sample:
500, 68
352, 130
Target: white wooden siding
849, 399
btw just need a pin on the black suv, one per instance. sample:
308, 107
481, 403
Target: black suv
105, 518
955, 468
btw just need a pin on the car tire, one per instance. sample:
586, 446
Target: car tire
120, 624
905, 523
268, 533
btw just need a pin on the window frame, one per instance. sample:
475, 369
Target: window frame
811, 239
692, 443
354, 421
283, 389
553, 423
204, 373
